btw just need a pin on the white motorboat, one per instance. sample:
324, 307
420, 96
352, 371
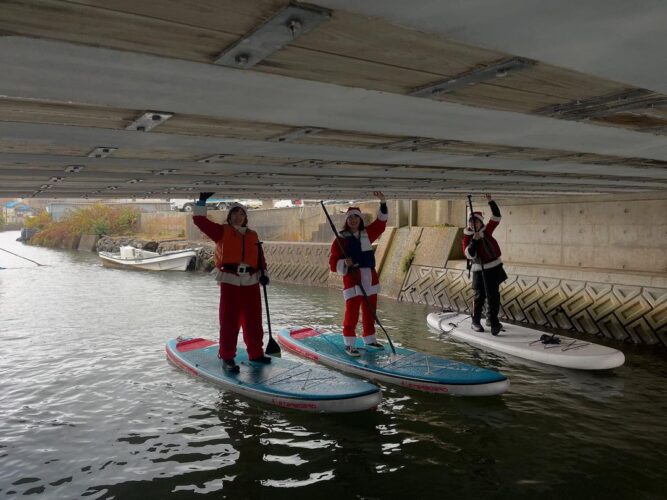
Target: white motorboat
136, 258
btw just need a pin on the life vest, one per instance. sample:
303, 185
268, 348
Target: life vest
234, 247
359, 249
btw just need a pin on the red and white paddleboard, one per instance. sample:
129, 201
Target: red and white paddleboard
284, 383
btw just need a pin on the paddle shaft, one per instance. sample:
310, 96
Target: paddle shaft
481, 264
361, 287
21, 257
272, 346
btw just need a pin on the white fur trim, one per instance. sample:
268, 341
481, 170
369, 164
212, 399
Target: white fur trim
383, 217
349, 293
238, 205
353, 212
497, 219
370, 339
365, 242
244, 279
341, 268
488, 265
469, 232
199, 210
349, 341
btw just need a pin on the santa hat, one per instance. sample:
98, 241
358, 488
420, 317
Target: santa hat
237, 205
234, 206
353, 211
476, 215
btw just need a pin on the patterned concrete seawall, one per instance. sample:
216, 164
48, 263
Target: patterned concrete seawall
300, 263
425, 266
577, 301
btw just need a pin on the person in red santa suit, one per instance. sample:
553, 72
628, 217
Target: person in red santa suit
352, 256
481, 247
238, 263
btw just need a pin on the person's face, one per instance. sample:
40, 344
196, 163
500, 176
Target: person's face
237, 217
477, 224
353, 222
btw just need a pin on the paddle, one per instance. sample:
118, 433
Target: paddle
368, 302
272, 346
25, 258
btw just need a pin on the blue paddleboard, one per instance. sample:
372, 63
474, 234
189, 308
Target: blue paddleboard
284, 383
407, 368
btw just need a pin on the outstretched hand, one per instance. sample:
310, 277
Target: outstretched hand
488, 197
205, 196
380, 196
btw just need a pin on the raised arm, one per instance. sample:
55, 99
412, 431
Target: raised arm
495, 211
211, 229
377, 227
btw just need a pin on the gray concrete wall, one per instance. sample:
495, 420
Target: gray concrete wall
440, 212
622, 234
88, 243
294, 224
274, 224
163, 223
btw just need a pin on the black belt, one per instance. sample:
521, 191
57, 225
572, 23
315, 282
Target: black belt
239, 269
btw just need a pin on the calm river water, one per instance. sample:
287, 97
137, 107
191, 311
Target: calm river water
90, 408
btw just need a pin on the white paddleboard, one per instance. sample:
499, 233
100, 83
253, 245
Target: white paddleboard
526, 343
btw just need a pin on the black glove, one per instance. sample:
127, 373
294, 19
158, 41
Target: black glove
472, 248
205, 196
264, 280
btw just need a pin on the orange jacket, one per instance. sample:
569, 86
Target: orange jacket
231, 247
234, 247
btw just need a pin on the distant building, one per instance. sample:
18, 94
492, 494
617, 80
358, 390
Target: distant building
14, 212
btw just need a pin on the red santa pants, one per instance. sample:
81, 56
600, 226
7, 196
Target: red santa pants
352, 315
240, 307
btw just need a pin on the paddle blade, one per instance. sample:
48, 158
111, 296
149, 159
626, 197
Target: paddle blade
272, 348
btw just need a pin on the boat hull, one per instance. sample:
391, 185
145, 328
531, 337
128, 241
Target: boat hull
175, 261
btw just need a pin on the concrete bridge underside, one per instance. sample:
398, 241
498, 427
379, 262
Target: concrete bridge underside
421, 99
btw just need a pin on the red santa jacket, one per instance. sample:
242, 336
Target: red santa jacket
366, 275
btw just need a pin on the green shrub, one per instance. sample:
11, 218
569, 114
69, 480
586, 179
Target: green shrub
407, 261
100, 227
98, 219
